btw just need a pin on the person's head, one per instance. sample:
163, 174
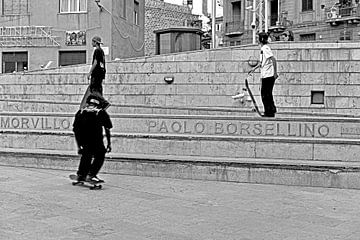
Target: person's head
96, 41
263, 38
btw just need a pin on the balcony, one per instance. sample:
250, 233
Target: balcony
337, 15
234, 28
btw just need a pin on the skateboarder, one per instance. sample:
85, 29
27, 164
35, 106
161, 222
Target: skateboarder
88, 128
96, 75
268, 73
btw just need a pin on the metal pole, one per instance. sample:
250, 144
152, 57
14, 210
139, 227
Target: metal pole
261, 16
253, 23
266, 15
213, 26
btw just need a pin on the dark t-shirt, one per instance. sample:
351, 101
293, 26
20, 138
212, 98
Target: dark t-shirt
88, 127
99, 70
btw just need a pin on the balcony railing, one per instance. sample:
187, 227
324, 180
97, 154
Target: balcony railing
339, 14
234, 28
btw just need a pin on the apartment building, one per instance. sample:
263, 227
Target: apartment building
298, 20
37, 34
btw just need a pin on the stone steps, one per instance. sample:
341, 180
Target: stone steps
264, 171
298, 138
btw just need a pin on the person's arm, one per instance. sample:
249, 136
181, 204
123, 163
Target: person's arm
76, 130
274, 62
92, 69
108, 138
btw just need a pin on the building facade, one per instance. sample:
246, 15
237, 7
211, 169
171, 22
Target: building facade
40, 33
298, 20
162, 15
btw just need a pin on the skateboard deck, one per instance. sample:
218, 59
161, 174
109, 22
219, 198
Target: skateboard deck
256, 108
92, 185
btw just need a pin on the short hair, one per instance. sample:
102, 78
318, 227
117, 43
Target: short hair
263, 38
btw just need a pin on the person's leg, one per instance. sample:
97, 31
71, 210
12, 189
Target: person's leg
84, 165
272, 106
97, 90
86, 95
98, 162
267, 85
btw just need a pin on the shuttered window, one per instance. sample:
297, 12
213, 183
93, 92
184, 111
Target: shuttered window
307, 5
67, 58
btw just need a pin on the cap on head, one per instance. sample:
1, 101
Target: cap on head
92, 100
263, 38
97, 39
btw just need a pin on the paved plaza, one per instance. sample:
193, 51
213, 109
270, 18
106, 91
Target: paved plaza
42, 204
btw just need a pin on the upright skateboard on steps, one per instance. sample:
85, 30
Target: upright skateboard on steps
256, 108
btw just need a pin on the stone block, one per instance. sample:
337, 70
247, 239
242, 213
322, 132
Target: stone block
336, 152
280, 150
312, 78
234, 149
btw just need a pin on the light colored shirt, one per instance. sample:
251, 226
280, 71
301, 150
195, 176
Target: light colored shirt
267, 66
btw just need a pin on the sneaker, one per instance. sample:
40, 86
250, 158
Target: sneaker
239, 95
80, 178
94, 179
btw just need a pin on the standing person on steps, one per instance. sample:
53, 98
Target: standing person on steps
268, 73
96, 75
88, 129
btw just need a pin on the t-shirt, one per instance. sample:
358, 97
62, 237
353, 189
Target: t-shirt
99, 70
88, 127
267, 67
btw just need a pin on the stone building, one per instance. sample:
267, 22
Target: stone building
161, 15
42, 33
300, 20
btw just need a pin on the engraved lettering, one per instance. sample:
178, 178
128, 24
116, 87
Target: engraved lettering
310, 130
24, 122
269, 128
257, 129
244, 127
199, 127
231, 128
15, 123
163, 127
218, 128
324, 130
5, 122
176, 127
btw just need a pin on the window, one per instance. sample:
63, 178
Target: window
67, 58
136, 12
308, 37
345, 35
317, 97
72, 6
307, 5
14, 62
14, 7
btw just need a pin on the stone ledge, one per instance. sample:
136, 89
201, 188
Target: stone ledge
189, 137
265, 171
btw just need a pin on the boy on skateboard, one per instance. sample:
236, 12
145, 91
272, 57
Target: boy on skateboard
88, 129
268, 69
96, 75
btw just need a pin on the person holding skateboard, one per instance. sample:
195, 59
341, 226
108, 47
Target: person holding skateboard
96, 75
88, 129
268, 74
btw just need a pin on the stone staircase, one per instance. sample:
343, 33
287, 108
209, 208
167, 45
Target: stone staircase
193, 128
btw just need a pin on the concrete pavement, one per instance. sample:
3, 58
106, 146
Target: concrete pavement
42, 204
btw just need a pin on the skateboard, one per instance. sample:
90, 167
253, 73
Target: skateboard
256, 108
92, 185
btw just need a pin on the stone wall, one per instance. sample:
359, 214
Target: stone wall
209, 79
160, 15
